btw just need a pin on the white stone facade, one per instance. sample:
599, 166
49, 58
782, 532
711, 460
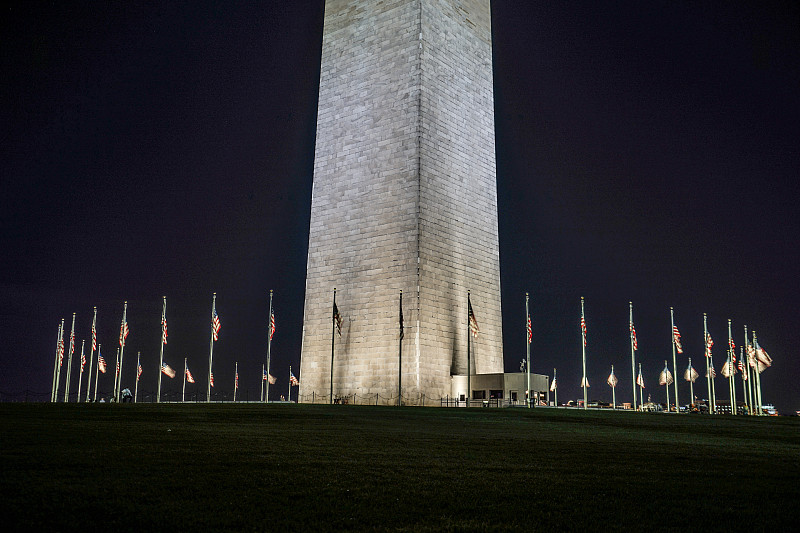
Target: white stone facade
404, 198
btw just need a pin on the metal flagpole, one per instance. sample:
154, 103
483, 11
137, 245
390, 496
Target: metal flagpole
528, 335
96, 373
749, 375
57, 363
633, 357
759, 407
400, 357
69, 359
744, 379
183, 390
555, 390
290, 383
211, 345
91, 354
163, 342
60, 360
666, 382
583, 351
116, 377
674, 362
713, 386
731, 370
80, 374
613, 392
333, 342
123, 334
136, 388
469, 354
708, 367
263, 371
265, 386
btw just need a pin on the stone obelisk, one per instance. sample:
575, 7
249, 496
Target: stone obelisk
404, 198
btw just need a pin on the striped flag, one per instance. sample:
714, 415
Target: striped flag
337, 319
236, 381
711, 372
215, 325
123, 332
733, 348
530, 330
139, 373
763, 357
94, 335
473, 323
101, 363
612, 379
269, 377
709, 344
60, 352
583, 329
163, 329
676, 336
691, 374
741, 369
640, 379
83, 362
633, 336
212, 379
189, 376
293, 380
751, 356
167, 370
665, 378
553, 385
271, 325
72, 342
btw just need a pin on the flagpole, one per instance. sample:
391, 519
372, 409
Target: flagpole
641, 389
528, 333
633, 358
123, 336
691, 385
555, 391
96, 373
69, 359
80, 374
290, 383
333, 344
136, 388
744, 380
749, 376
91, 354
263, 371
400, 357
183, 390
265, 387
666, 382
57, 364
708, 358
469, 353
674, 362
731, 370
759, 408
583, 351
116, 377
713, 386
211, 345
613, 393
235, 381
163, 342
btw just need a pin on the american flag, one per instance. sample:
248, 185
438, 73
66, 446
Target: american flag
337, 319
83, 361
94, 337
271, 325
676, 335
727, 369
101, 363
583, 329
60, 352
633, 337
612, 379
123, 332
733, 348
163, 329
269, 377
212, 379
167, 370
711, 372
189, 376
584, 382
215, 325
236, 381
530, 330
640, 379
741, 369
553, 385
473, 323
709, 344
751, 355
117, 372
293, 380
139, 373
665, 378
763, 357
690, 374
72, 342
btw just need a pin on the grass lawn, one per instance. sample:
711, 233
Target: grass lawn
196, 467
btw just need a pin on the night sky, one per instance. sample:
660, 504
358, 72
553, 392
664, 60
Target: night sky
646, 152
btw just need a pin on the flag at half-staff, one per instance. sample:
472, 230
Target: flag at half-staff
665, 378
473, 330
168, 370
691, 376
80, 375
640, 384
138, 375
101, 362
187, 376
634, 346
727, 369
124, 331
236, 381
269, 377
163, 343
293, 382
266, 367
554, 388
58, 362
91, 356
336, 325
612, 382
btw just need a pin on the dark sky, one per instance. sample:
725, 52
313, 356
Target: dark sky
646, 152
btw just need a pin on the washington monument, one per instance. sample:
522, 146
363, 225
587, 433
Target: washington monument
404, 199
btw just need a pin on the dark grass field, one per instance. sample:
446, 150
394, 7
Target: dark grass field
197, 467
